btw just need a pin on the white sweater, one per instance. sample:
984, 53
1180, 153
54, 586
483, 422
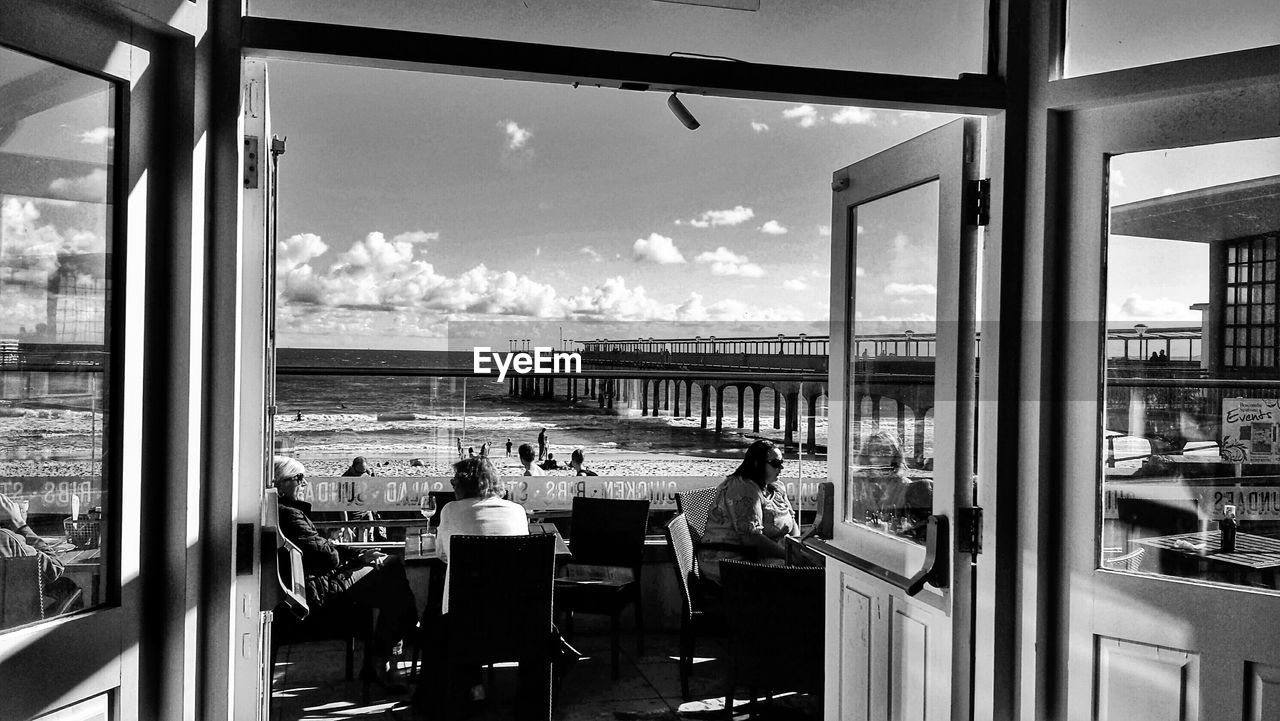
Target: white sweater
477, 517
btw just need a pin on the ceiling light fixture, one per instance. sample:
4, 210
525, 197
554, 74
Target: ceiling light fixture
682, 113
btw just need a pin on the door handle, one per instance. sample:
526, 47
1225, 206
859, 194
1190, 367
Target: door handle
936, 567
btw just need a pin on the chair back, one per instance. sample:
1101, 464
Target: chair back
609, 532
500, 590
695, 505
791, 598
683, 560
21, 591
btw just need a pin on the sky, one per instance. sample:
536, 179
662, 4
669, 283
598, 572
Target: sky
412, 203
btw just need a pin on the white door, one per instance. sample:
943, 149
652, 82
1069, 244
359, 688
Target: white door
1167, 264
904, 304
71, 269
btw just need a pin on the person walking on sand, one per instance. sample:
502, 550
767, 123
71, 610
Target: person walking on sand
508, 448
526, 460
460, 455
542, 444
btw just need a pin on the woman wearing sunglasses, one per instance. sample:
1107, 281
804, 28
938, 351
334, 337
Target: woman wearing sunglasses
749, 515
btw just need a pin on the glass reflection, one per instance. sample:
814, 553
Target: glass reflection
891, 371
55, 288
1192, 416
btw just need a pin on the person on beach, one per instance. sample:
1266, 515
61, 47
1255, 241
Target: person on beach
508, 448
371, 579
551, 464
542, 443
749, 515
527, 460
359, 467
484, 449
471, 451
575, 463
459, 441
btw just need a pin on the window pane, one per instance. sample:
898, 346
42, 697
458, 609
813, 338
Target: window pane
1208, 444
1104, 36
945, 37
55, 288
891, 382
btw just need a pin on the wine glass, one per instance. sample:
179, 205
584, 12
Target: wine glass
427, 505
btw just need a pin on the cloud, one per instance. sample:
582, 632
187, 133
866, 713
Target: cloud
517, 137
759, 127
417, 236
796, 284
806, 116
612, 299
32, 250
727, 263
909, 289
773, 227
854, 116
694, 309
658, 249
89, 187
824, 231
590, 253
98, 136
1135, 307
736, 215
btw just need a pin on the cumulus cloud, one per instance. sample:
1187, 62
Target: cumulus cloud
417, 236
796, 284
657, 249
854, 116
517, 137
736, 215
909, 288
98, 136
34, 248
759, 127
590, 253
1136, 307
88, 187
773, 227
694, 309
612, 299
806, 116
723, 261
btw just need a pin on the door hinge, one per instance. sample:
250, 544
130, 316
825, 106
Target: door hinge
251, 161
969, 532
977, 202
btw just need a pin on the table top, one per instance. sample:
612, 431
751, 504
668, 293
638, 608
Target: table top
1252, 551
413, 553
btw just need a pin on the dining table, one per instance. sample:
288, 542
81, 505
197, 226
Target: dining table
1253, 554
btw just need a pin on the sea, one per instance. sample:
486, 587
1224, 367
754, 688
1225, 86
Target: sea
428, 416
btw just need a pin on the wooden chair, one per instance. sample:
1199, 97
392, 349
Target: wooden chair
695, 505
500, 596
779, 598
604, 576
697, 611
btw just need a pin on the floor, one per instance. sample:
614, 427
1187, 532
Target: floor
309, 685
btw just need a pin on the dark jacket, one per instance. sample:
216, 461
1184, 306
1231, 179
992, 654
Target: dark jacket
321, 562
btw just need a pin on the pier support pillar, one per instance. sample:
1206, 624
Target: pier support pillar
644, 399
675, 412
666, 395
688, 399
706, 404
777, 408
755, 409
902, 422
742, 401
719, 408
919, 441
875, 412
791, 418
610, 392
813, 424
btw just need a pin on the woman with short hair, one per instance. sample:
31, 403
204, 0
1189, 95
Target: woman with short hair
750, 514
372, 579
479, 511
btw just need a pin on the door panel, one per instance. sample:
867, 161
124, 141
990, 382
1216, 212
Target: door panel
1175, 634
903, 309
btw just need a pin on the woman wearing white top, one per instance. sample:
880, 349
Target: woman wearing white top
479, 510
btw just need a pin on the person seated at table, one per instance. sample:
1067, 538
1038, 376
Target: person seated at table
360, 467
17, 540
880, 482
371, 579
576, 463
526, 459
478, 511
750, 514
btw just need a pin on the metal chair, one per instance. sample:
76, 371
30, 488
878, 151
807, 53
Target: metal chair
695, 613
500, 596
695, 505
1116, 560
604, 576
757, 596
